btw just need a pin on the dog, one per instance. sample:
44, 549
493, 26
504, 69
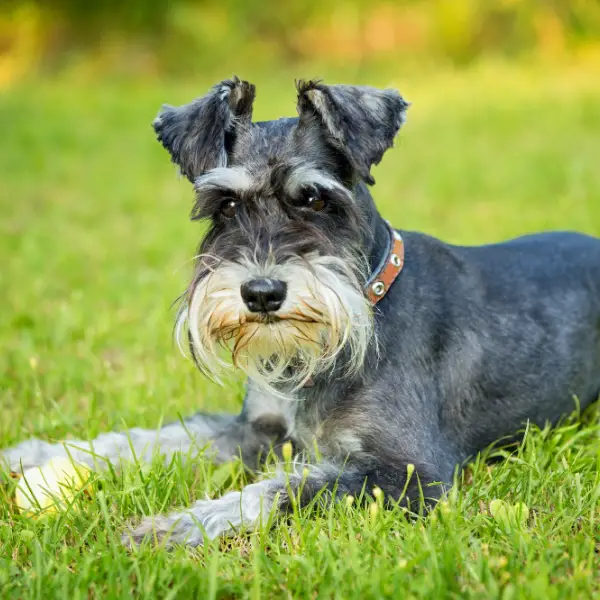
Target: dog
398, 356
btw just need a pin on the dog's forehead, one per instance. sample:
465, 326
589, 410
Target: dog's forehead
264, 141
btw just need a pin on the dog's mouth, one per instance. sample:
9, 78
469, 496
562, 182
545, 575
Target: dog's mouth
267, 318
249, 324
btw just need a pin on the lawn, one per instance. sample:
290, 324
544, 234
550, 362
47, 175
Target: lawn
95, 245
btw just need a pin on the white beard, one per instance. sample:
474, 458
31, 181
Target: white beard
324, 312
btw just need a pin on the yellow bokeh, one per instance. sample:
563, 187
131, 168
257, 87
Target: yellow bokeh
150, 37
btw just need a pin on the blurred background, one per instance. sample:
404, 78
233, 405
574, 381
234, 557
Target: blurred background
503, 138
184, 37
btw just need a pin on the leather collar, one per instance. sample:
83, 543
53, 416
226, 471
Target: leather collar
388, 269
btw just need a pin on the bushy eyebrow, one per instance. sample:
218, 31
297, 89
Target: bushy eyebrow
235, 179
304, 176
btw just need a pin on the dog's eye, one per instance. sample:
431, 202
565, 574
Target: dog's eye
228, 208
313, 201
316, 203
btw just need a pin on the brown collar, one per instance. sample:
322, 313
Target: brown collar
388, 269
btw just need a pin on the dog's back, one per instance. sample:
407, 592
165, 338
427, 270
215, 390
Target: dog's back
518, 333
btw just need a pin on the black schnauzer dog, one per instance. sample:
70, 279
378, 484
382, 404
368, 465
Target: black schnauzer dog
397, 355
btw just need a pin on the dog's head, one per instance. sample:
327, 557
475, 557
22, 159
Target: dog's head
280, 272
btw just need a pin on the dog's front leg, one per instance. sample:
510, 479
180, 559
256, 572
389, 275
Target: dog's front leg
264, 421
223, 436
188, 436
254, 504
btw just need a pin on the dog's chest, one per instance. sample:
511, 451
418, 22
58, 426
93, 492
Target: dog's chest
261, 405
307, 422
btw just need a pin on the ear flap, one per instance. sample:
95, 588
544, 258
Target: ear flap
361, 122
199, 135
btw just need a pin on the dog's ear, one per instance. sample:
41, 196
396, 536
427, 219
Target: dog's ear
361, 122
200, 135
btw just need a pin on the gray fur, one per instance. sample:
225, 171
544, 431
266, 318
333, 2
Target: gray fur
474, 342
360, 121
190, 437
196, 134
212, 518
248, 509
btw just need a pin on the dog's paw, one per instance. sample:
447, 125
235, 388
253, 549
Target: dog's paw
167, 530
205, 519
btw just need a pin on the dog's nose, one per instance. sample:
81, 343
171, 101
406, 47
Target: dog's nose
264, 295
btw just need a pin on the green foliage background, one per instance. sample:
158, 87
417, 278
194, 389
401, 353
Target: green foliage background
502, 139
193, 36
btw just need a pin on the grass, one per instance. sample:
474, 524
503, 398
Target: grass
94, 245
